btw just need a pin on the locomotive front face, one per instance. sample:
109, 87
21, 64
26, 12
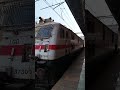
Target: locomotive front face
43, 38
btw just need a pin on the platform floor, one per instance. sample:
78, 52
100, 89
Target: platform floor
73, 78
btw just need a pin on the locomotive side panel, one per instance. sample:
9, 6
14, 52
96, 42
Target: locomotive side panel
14, 54
60, 42
70, 42
54, 46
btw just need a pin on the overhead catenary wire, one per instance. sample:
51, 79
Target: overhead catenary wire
56, 12
69, 18
57, 5
66, 15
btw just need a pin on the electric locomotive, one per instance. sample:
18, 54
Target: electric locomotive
53, 42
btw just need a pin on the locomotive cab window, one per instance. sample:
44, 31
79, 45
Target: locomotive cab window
44, 32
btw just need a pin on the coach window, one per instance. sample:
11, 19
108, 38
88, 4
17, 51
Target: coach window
44, 32
62, 33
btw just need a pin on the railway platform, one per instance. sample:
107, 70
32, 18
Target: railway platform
74, 77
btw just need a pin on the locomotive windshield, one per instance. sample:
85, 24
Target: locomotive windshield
44, 32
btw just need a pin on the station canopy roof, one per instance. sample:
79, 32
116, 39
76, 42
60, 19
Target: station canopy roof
114, 6
99, 8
